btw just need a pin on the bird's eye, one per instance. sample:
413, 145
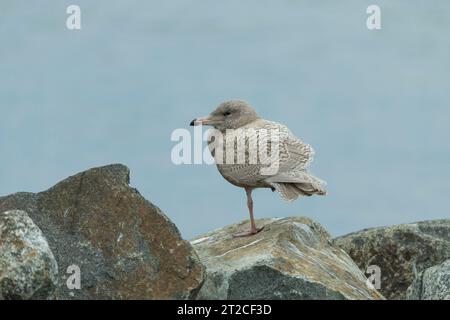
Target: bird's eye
226, 113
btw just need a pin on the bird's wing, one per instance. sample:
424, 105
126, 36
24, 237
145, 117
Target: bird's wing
293, 159
298, 154
294, 154
292, 178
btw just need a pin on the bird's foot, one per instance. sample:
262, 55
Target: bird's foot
247, 233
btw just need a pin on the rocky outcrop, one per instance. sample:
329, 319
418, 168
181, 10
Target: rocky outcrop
123, 245
292, 258
431, 284
401, 252
28, 269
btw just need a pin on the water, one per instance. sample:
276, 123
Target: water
374, 104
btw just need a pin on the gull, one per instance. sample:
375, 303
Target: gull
291, 178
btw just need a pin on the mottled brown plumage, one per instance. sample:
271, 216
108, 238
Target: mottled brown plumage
291, 178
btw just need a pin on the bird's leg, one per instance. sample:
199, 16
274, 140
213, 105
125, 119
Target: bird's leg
253, 229
250, 210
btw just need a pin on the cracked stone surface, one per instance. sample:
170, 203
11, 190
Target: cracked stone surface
125, 247
401, 251
28, 269
291, 258
431, 284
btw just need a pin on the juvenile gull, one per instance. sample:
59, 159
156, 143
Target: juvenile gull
291, 178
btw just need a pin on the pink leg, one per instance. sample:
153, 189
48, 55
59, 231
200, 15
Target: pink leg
250, 210
253, 229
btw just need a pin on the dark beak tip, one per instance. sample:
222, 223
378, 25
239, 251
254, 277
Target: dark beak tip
192, 122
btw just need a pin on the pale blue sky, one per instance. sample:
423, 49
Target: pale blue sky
374, 104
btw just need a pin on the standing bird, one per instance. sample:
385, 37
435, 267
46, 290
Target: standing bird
291, 178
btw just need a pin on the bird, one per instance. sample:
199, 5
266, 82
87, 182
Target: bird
291, 178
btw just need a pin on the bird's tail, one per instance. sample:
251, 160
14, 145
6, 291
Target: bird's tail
292, 190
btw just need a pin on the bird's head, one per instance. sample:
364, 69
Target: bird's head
231, 114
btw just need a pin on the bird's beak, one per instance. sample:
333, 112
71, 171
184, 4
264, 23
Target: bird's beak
204, 121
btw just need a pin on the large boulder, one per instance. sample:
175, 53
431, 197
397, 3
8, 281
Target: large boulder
28, 269
292, 258
401, 252
431, 284
123, 245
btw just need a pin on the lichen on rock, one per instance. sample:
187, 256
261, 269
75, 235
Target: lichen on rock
431, 284
292, 258
401, 252
28, 269
124, 246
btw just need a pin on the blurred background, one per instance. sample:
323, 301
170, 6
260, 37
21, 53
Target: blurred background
375, 105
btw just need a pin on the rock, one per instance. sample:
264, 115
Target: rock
28, 269
292, 258
431, 284
125, 247
401, 251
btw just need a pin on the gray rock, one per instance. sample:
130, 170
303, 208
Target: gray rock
401, 252
28, 269
431, 284
292, 258
124, 246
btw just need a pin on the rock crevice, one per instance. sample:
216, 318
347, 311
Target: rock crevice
125, 247
401, 252
292, 258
